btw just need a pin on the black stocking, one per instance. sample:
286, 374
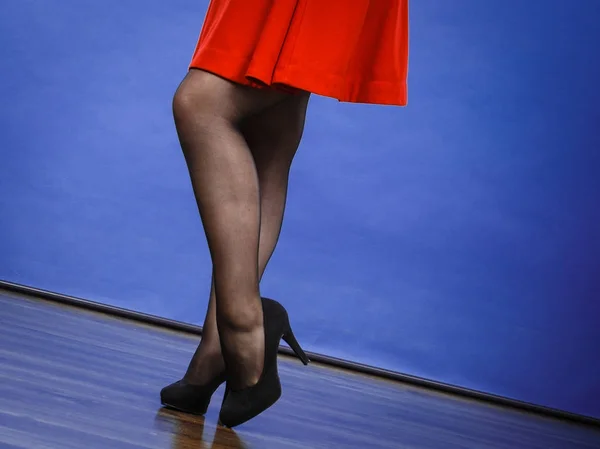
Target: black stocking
208, 114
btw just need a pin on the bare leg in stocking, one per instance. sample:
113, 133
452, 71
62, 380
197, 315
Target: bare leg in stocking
273, 137
236, 141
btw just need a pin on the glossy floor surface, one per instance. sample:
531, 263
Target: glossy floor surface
75, 379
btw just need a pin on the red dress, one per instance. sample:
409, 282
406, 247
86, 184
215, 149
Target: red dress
352, 50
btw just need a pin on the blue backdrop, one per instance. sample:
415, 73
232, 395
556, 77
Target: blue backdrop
455, 239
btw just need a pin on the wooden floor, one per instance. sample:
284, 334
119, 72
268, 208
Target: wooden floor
74, 379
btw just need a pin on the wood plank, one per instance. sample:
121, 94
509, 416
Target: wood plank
77, 379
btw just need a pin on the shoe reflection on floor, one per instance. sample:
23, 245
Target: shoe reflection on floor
188, 431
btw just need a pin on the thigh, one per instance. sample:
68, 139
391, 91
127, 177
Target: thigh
276, 131
212, 95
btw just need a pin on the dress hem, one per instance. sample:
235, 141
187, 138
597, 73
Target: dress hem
292, 79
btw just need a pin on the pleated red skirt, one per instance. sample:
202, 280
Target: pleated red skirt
352, 50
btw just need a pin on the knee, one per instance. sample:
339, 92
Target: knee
187, 103
201, 99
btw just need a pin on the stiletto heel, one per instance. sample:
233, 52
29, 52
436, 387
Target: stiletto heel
242, 405
290, 339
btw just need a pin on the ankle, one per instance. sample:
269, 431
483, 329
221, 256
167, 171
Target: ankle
205, 365
242, 319
212, 354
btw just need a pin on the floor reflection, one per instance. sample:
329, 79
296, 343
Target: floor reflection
188, 431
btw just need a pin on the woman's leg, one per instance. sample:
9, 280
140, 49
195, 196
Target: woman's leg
273, 136
208, 113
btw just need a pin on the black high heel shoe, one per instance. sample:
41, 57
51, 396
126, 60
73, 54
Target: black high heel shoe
240, 406
190, 398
